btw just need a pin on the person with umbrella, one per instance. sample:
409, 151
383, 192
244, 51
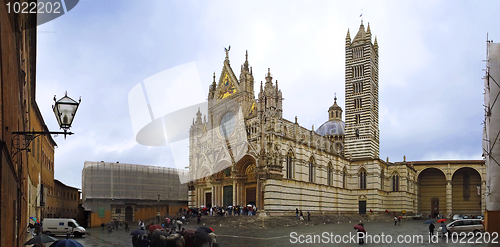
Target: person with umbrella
361, 232
444, 230
66, 243
431, 229
136, 236
204, 235
41, 239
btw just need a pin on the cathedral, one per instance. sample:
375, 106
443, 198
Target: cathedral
244, 152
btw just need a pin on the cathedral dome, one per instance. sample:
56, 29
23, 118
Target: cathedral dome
331, 128
334, 126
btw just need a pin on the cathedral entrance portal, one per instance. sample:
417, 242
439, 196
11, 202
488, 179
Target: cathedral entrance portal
251, 196
227, 199
208, 200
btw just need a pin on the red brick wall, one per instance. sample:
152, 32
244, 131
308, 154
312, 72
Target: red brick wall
15, 87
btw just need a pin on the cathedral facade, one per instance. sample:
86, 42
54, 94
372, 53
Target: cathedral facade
244, 152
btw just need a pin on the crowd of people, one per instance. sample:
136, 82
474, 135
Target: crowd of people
249, 210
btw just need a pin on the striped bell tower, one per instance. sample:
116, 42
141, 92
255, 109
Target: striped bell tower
361, 92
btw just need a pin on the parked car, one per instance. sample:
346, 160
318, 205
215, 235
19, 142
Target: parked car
464, 225
55, 226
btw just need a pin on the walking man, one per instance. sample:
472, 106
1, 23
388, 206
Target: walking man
431, 229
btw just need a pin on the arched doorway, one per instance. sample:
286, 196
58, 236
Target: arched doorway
432, 192
129, 213
465, 196
248, 182
250, 189
362, 204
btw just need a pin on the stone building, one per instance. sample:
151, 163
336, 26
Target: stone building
128, 192
66, 202
40, 166
244, 152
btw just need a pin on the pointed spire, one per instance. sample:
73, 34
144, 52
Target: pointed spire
276, 85
348, 37
368, 29
269, 78
198, 114
261, 86
361, 35
245, 65
375, 43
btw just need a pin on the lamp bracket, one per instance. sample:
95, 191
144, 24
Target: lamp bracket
29, 136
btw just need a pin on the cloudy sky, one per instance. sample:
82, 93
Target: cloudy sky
431, 60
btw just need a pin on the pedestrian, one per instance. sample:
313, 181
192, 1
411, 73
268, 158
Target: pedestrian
142, 226
431, 229
32, 229
308, 216
37, 229
301, 215
199, 218
395, 220
135, 238
140, 223
297, 212
361, 233
143, 242
399, 220
102, 225
443, 229
126, 226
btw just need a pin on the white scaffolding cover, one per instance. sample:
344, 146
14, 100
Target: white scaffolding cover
105, 180
491, 141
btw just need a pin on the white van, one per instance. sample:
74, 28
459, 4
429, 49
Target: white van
54, 226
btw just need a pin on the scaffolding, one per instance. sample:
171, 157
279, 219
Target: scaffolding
118, 181
491, 131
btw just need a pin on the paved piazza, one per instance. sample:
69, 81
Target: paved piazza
240, 237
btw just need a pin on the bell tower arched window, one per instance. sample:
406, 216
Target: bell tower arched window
362, 178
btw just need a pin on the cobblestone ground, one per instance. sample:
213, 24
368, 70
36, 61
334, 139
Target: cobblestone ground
413, 232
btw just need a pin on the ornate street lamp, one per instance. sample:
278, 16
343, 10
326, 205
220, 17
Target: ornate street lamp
64, 109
